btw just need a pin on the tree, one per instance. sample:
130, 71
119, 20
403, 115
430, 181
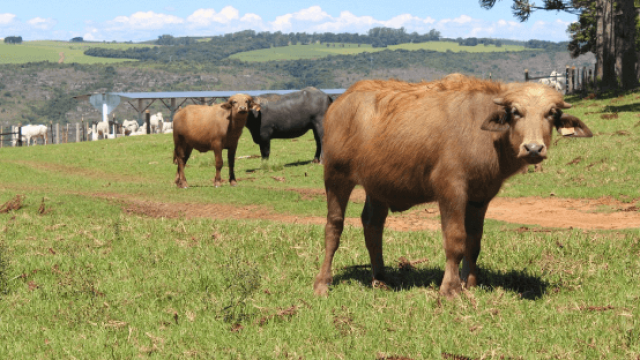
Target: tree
13, 40
613, 40
591, 34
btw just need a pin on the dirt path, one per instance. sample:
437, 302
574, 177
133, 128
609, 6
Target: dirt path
547, 212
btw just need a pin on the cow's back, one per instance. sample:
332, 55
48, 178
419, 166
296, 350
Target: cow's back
198, 126
403, 141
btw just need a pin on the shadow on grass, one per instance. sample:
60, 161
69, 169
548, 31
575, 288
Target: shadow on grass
527, 286
298, 163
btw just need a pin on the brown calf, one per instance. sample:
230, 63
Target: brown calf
454, 141
206, 128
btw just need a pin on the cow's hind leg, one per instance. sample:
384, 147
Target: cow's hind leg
317, 134
338, 192
181, 156
231, 159
474, 224
373, 217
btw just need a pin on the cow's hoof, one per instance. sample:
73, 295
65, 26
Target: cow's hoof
233, 183
315, 161
377, 284
450, 293
321, 289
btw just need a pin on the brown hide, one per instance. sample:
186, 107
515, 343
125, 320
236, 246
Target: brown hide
210, 128
453, 141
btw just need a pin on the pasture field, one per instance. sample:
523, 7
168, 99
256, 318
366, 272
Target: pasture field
36, 51
315, 51
119, 263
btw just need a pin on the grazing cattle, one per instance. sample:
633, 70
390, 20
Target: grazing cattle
207, 128
130, 126
288, 116
453, 142
30, 132
556, 80
102, 129
155, 122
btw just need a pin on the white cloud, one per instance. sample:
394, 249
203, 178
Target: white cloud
6, 19
145, 25
42, 24
144, 21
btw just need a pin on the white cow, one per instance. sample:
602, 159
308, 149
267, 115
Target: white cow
556, 80
167, 128
130, 126
31, 132
156, 121
103, 129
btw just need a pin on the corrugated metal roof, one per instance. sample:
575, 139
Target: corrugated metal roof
210, 94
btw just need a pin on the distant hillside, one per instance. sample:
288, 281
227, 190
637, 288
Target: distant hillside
316, 51
41, 92
54, 51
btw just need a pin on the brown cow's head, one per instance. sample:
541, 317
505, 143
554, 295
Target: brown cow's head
240, 104
529, 112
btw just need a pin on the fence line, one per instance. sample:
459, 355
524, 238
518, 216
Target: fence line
575, 79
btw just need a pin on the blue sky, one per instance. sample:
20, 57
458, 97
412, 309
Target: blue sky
145, 20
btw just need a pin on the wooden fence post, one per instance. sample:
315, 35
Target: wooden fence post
566, 79
57, 133
526, 75
147, 120
77, 132
20, 134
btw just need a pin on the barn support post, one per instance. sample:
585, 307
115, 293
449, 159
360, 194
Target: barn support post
147, 121
573, 79
77, 132
526, 75
172, 109
140, 112
566, 78
57, 133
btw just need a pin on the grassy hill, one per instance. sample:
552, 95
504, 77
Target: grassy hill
36, 51
315, 51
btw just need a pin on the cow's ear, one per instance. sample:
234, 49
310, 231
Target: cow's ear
255, 107
568, 125
227, 105
497, 121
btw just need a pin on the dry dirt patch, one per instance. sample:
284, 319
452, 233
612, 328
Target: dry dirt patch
547, 212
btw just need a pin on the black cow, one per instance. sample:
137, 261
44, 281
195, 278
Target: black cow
288, 116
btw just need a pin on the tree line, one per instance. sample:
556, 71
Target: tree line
13, 40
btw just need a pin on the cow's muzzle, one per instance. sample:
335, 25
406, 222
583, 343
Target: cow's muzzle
533, 152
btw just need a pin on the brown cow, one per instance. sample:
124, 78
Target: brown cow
454, 142
206, 128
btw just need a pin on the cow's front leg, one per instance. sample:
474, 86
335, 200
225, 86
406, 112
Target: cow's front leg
231, 158
217, 181
452, 211
474, 224
265, 149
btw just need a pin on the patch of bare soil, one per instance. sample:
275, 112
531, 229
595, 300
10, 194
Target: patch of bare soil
547, 212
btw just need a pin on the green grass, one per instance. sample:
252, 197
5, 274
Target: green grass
36, 51
89, 280
315, 51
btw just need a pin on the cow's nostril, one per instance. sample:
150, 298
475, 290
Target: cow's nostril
534, 149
